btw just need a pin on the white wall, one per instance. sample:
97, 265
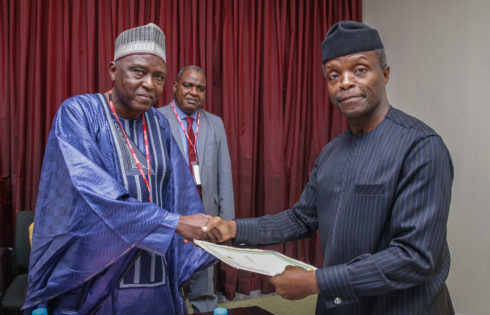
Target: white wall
439, 53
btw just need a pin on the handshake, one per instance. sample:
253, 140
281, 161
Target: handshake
205, 227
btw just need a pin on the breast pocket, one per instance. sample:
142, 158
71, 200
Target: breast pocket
364, 217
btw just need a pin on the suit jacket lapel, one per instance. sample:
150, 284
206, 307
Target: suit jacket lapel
175, 127
202, 136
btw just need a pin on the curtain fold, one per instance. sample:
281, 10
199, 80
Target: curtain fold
263, 64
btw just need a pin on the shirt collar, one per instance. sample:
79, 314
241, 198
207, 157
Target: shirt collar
183, 115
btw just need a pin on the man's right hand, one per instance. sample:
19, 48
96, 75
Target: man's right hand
191, 227
226, 229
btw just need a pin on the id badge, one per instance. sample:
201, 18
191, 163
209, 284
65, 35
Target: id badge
195, 172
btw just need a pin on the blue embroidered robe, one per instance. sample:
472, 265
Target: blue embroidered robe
99, 245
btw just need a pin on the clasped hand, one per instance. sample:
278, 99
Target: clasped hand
205, 227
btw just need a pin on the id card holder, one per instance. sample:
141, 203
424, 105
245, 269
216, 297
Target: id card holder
195, 172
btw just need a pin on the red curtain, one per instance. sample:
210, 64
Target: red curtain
263, 64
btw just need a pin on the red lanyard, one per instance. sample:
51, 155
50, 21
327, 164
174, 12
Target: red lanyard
145, 135
185, 131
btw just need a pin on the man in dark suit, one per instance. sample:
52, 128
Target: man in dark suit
379, 194
209, 162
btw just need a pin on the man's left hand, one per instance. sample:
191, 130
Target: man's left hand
295, 283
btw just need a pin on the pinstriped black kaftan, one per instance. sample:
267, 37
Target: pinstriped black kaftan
380, 201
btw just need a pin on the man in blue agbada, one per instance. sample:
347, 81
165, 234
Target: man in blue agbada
116, 199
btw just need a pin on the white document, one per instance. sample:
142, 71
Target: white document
266, 262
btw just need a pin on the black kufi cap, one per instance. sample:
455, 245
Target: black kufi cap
349, 37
